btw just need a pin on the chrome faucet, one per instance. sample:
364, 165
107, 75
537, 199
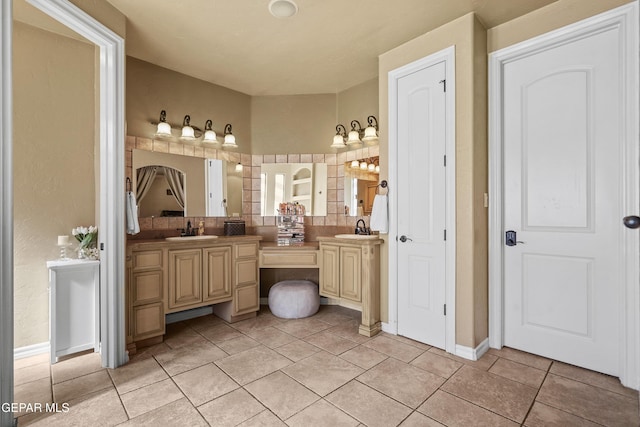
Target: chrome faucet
363, 229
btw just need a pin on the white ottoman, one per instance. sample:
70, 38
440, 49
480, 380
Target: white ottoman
294, 299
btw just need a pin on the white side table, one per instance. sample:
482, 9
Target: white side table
74, 287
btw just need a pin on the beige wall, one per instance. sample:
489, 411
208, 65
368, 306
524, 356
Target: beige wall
151, 89
104, 13
467, 34
53, 162
358, 103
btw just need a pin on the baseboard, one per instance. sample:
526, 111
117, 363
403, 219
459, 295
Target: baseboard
31, 350
473, 353
188, 314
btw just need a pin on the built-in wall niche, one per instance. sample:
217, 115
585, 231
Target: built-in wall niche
170, 185
360, 186
303, 183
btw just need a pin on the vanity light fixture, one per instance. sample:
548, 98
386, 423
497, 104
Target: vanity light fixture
371, 167
188, 133
363, 165
339, 138
239, 167
229, 139
355, 164
356, 135
164, 128
209, 133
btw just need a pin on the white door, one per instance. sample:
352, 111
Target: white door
563, 185
421, 205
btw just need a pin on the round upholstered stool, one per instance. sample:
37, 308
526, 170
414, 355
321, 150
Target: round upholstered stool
294, 299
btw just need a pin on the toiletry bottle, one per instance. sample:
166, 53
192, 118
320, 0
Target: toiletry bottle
201, 228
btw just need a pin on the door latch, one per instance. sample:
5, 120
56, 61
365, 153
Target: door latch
511, 238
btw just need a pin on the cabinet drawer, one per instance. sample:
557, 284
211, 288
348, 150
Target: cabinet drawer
246, 250
246, 299
286, 258
147, 260
146, 287
148, 321
246, 272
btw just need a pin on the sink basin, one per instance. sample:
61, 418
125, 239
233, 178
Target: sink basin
357, 236
187, 238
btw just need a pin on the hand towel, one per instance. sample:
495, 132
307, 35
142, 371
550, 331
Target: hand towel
380, 214
133, 227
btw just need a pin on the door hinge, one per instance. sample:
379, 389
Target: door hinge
445, 309
445, 234
445, 160
444, 84
102, 246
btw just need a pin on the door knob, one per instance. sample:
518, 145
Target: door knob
511, 239
631, 221
405, 238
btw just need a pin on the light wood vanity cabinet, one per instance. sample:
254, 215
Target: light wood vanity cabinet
166, 277
350, 272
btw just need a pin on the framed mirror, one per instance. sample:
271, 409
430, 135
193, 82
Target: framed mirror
303, 183
360, 185
175, 185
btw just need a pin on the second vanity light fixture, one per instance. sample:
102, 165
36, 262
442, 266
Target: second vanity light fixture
357, 135
192, 133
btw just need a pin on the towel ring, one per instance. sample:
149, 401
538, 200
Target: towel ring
382, 184
128, 184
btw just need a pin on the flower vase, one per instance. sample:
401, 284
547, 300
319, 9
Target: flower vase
82, 253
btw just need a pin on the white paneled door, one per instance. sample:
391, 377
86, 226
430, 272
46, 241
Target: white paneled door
563, 180
421, 204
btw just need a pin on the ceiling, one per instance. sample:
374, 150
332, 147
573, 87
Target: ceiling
329, 46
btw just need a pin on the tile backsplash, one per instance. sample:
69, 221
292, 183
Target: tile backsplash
334, 222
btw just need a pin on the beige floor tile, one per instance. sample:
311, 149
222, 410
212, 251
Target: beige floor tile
431, 362
238, 345
418, 420
333, 318
290, 398
525, 358
518, 372
252, 364
231, 409
497, 394
402, 382
263, 419
219, 333
394, 348
38, 391
301, 328
321, 414
297, 350
330, 342
185, 337
178, 413
484, 363
349, 330
323, 372
364, 357
453, 411
77, 387
257, 323
76, 367
542, 415
31, 360
183, 359
592, 378
150, 351
205, 383
406, 340
137, 374
101, 408
151, 397
30, 373
271, 337
368, 406
586, 401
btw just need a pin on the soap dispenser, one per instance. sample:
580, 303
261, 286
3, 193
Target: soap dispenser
201, 228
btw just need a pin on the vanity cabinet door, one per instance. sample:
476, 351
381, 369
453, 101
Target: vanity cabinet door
216, 272
185, 277
351, 273
329, 271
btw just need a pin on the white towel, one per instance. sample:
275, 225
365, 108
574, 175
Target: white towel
379, 214
133, 227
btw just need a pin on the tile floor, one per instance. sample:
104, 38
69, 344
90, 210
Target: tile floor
317, 372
